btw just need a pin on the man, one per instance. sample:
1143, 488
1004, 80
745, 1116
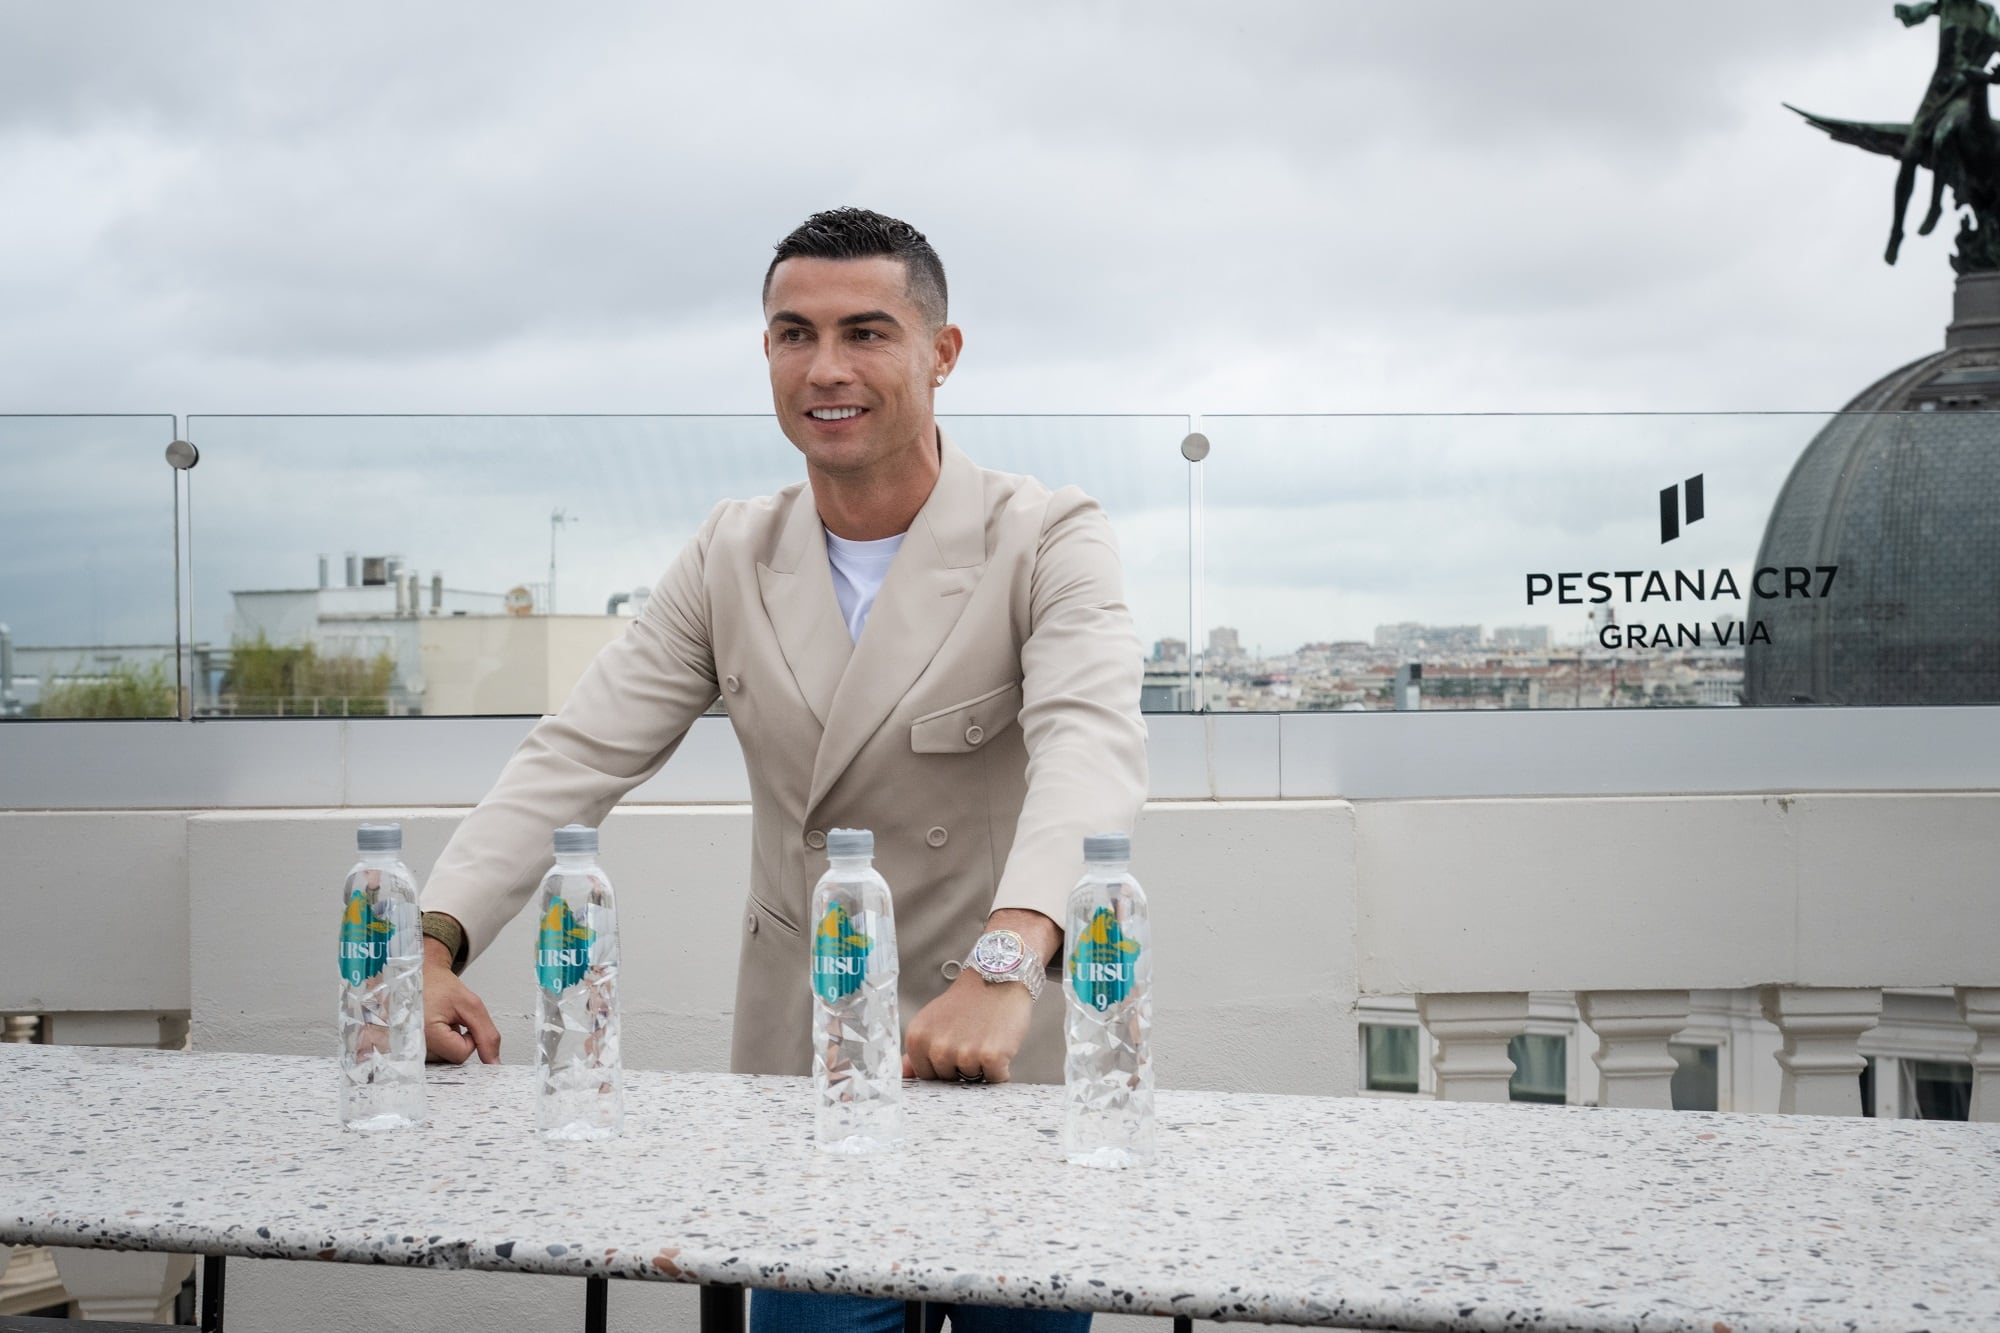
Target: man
1968, 39
905, 643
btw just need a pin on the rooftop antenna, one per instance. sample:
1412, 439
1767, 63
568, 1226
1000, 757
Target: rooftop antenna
557, 518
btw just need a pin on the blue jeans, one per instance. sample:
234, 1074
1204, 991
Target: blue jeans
803, 1312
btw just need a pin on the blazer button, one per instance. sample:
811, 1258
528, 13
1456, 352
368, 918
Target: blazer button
815, 839
731, 684
752, 923
974, 734
936, 836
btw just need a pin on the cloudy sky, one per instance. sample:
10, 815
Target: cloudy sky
1303, 207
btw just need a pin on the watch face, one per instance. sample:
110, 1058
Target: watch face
998, 952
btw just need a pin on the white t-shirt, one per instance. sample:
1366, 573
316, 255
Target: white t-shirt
858, 571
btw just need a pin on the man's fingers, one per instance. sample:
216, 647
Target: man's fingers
449, 1006
444, 1042
971, 1032
479, 1025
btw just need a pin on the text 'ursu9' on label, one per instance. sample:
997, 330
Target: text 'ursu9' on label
840, 955
364, 940
562, 953
1104, 964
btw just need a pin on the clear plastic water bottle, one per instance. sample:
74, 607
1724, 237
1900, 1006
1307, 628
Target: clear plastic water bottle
1108, 998
857, 1040
579, 1077
381, 987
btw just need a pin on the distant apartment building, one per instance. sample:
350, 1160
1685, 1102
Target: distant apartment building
1410, 637
1521, 638
1224, 645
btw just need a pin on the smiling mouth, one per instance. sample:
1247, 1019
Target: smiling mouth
834, 413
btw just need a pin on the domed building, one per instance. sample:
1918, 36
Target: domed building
1902, 493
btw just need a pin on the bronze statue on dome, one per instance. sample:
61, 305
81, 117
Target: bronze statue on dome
1952, 136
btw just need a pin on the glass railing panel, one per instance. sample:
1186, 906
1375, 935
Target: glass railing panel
1471, 562
492, 556
1134, 468
86, 567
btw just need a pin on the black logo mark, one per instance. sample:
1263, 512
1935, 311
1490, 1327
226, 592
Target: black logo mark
1670, 507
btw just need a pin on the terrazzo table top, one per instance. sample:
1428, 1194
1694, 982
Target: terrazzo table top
1348, 1212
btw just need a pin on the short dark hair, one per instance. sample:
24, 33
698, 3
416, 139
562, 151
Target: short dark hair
860, 233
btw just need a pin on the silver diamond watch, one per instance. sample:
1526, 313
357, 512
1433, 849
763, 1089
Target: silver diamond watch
1002, 955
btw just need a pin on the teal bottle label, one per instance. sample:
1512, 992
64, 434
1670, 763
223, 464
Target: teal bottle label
1104, 965
364, 940
840, 955
562, 951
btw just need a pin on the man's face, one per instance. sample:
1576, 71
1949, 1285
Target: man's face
853, 361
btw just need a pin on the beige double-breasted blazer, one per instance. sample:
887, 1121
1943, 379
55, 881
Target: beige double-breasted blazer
985, 721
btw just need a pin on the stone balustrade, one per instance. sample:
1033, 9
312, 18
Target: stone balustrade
1816, 903
1819, 1057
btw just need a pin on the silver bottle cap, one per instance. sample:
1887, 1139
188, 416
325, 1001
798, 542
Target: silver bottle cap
379, 838
850, 842
571, 838
1107, 847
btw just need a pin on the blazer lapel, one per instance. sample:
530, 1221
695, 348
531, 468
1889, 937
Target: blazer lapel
925, 592
797, 587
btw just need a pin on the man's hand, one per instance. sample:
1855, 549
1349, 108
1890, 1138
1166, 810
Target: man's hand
971, 1031
975, 1029
455, 1020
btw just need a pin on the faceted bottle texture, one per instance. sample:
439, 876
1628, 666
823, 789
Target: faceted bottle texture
579, 1076
1108, 1002
857, 1039
381, 995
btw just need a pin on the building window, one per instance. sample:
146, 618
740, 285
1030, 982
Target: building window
1389, 1058
1541, 1068
1695, 1084
1937, 1090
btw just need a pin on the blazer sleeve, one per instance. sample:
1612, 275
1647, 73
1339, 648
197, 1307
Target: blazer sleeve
1080, 685
623, 720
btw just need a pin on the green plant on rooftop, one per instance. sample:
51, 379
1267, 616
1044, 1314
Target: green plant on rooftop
119, 690
297, 680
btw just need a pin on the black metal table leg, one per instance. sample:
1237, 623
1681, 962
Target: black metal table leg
211, 1293
914, 1316
1183, 1323
722, 1310
596, 1303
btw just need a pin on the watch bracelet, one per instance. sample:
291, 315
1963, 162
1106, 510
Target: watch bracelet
1042, 969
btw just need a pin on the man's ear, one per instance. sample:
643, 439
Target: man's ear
949, 343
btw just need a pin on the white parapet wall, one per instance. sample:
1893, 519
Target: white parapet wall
1622, 893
